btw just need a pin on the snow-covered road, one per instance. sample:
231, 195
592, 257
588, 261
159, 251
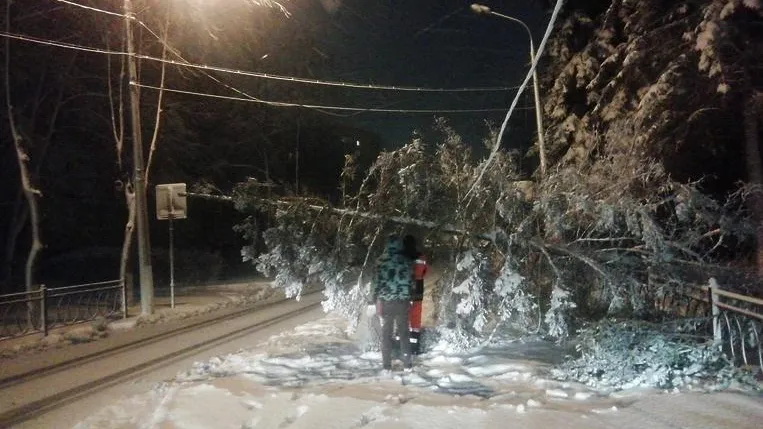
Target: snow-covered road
215, 340
316, 377
235, 403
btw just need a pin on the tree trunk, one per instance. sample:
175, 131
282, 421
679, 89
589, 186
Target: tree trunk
127, 244
21, 212
30, 194
755, 171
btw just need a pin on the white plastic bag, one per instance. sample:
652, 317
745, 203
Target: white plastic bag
368, 333
370, 311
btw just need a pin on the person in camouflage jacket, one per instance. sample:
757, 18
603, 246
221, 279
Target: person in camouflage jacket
394, 271
392, 293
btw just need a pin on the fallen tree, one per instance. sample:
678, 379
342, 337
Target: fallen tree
608, 240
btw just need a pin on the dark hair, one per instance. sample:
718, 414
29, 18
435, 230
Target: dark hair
409, 247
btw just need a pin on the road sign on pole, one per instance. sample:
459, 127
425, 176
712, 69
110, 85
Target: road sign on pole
170, 205
171, 201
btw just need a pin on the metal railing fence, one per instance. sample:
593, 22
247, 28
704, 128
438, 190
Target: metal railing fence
19, 313
736, 320
25, 313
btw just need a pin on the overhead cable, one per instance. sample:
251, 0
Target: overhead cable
286, 78
251, 98
318, 106
33, 39
323, 82
246, 97
39, 41
91, 8
123, 16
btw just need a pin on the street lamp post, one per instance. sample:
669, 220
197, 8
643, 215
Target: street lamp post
141, 212
484, 10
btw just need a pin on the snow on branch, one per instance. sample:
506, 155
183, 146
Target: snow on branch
603, 240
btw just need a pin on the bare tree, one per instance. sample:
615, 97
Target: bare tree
160, 96
41, 143
30, 193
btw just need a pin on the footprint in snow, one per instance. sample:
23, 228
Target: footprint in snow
301, 410
287, 421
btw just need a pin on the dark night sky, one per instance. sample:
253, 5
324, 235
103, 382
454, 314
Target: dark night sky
434, 44
425, 43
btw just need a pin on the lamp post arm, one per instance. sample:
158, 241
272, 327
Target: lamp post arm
520, 22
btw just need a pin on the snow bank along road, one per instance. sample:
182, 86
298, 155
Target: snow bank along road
29, 395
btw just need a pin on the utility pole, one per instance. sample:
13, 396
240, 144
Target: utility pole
538, 115
141, 213
296, 165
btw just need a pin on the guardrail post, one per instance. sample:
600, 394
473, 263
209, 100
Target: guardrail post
715, 311
44, 310
124, 297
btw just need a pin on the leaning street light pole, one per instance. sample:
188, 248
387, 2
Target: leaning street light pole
141, 212
484, 10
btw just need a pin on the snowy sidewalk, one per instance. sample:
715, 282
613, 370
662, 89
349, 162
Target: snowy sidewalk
316, 377
33, 352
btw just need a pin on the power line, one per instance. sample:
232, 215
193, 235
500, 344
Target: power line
280, 77
33, 39
248, 97
166, 45
66, 45
322, 82
95, 9
318, 106
123, 16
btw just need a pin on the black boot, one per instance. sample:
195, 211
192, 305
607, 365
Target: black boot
415, 342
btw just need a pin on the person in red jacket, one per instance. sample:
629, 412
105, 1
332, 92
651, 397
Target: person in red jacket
417, 291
